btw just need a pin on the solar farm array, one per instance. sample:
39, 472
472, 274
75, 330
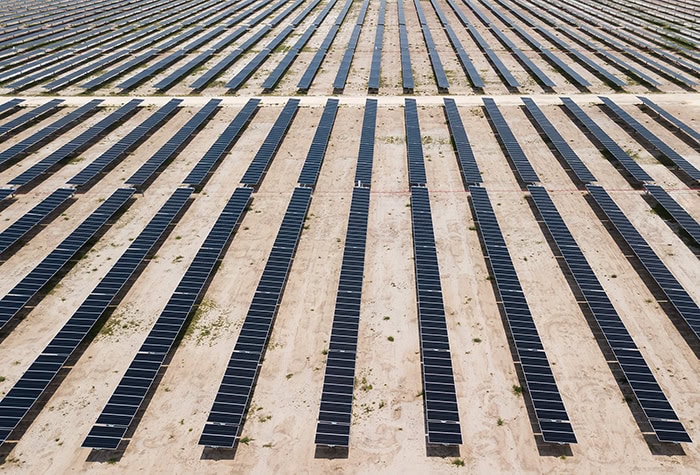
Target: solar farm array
139, 253
272, 236
250, 47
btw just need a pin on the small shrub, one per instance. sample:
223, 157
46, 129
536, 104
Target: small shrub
517, 390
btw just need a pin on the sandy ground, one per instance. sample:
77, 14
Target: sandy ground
387, 433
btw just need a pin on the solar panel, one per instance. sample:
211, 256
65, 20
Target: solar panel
51, 130
335, 412
120, 149
228, 412
655, 141
365, 158
375, 68
15, 406
256, 170
582, 172
222, 145
314, 159
128, 397
414, 145
525, 171
674, 291
439, 393
680, 215
16, 299
173, 146
546, 400
36, 113
6, 193
670, 118
465, 156
76, 145
37, 215
633, 168
344, 69
648, 393
406, 70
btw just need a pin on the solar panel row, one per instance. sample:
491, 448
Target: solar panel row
655, 141
32, 115
8, 106
312, 164
646, 389
228, 412
375, 67
440, 77
61, 125
651, 106
128, 397
32, 385
130, 141
173, 146
16, 299
315, 63
465, 156
439, 393
525, 171
546, 400
5, 193
257, 168
222, 145
582, 172
335, 413
680, 215
365, 158
32, 218
344, 69
636, 172
406, 70
414, 145
674, 291
76, 145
